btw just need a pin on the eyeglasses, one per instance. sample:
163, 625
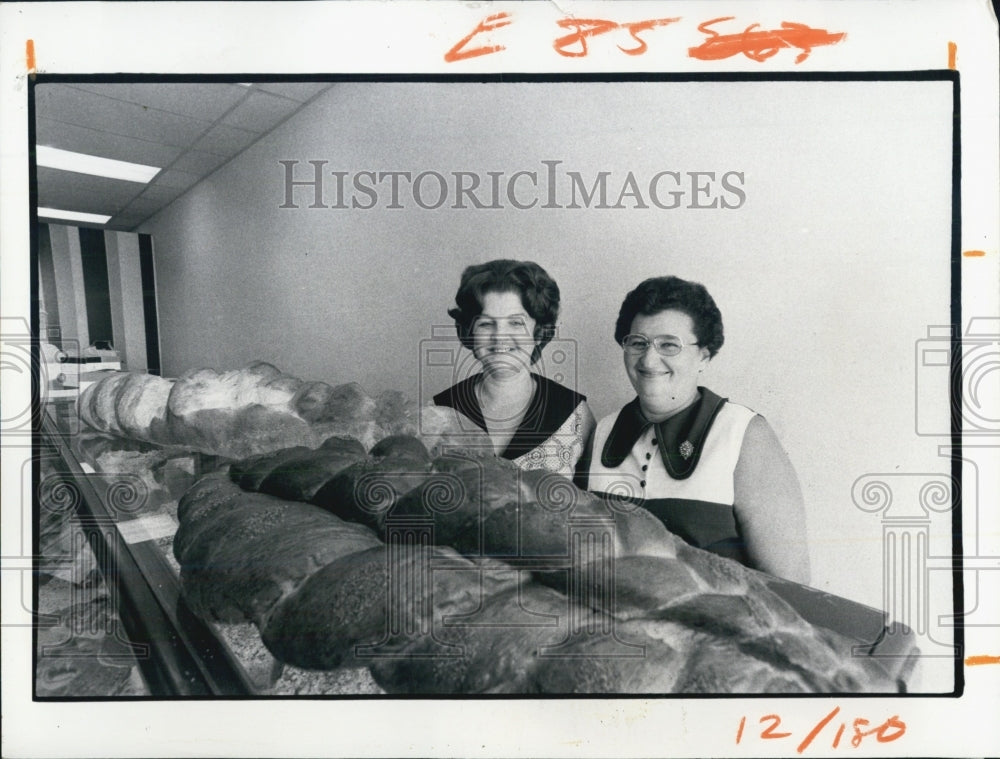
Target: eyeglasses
665, 345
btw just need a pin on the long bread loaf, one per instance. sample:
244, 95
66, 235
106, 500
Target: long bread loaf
468, 575
257, 409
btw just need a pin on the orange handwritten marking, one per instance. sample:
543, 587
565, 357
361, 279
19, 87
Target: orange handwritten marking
488, 24
973, 253
818, 728
952, 54
591, 27
972, 661
29, 56
768, 732
759, 46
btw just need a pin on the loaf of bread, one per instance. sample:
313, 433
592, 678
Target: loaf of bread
460, 573
257, 409
141, 405
368, 490
270, 547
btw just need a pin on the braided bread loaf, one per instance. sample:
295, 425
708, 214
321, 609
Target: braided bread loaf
257, 409
461, 573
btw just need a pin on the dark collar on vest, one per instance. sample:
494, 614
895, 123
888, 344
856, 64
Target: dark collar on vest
680, 438
550, 406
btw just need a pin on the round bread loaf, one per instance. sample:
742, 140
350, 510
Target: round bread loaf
238, 413
195, 391
338, 607
250, 473
619, 657
234, 522
458, 497
83, 405
497, 649
102, 403
208, 486
191, 541
636, 586
345, 410
256, 545
252, 430
367, 490
320, 403
298, 478
276, 565
395, 414
444, 430
140, 407
343, 612
245, 386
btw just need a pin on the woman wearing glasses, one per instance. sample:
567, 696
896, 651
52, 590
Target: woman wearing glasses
712, 471
506, 314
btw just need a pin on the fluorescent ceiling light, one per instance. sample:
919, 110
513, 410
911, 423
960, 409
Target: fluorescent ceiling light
54, 158
55, 213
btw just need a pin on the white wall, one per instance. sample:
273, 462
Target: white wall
827, 276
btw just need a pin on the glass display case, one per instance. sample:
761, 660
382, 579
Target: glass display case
113, 621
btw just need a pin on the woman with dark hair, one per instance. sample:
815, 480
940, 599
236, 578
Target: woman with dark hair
712, 471
506, 314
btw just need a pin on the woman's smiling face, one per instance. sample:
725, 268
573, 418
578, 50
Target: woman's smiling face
503, 334
665, 384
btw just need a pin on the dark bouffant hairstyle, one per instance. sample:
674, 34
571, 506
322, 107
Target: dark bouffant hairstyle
663, 293
538, 291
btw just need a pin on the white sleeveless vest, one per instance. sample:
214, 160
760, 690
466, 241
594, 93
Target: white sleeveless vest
643, 475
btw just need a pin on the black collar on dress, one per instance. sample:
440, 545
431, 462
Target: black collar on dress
550, 406
680, 438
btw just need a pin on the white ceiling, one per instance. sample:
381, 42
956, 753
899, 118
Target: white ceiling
187, 129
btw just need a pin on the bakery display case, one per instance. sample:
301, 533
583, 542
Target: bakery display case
122, 625
113, 621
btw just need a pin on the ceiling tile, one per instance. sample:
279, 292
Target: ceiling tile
188, 129
70, 191
72, 106
206, 102
126, 222
300, 91
56, 134
200, 162
142, 206
261, 112
161, 193
225, 140
174, 178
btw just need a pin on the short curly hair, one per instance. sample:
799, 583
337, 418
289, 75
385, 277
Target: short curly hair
538, 292
664, 293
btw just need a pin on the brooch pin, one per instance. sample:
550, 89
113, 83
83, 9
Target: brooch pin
686, 449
